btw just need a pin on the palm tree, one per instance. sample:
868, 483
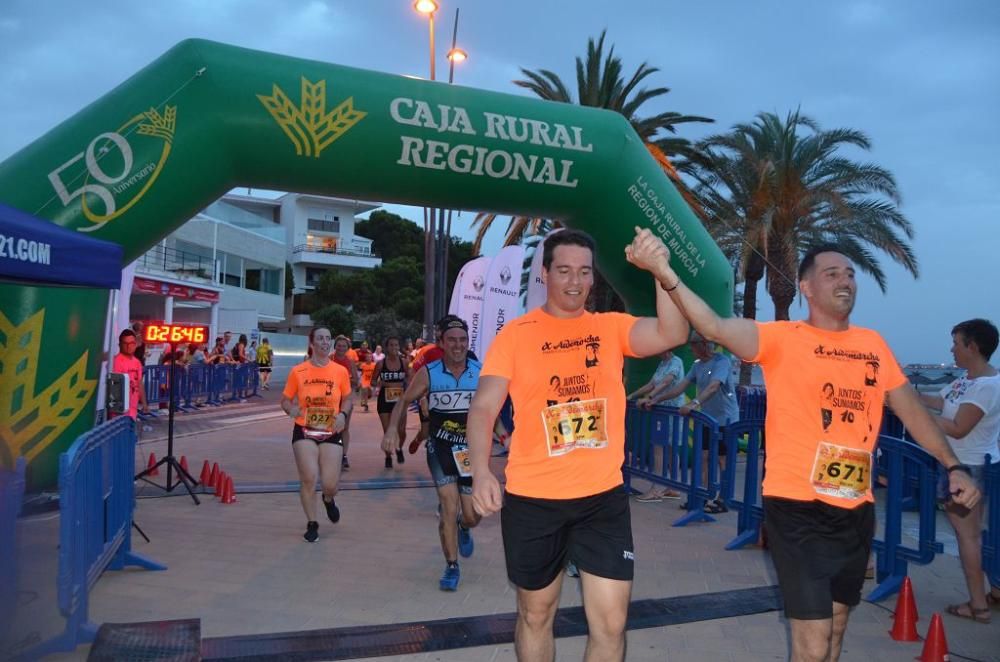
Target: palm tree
782, 191
601, 84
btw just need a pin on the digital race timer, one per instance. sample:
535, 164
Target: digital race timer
161, 332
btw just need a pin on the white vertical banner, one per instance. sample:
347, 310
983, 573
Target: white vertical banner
468, 304
536, 293
502, 302
456, 292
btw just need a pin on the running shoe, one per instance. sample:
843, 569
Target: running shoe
400, 458
388, 462
312, 532
344, 464
449, 580
466, 545
331, 510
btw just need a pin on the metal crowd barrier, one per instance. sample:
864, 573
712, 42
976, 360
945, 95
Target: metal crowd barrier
991, 535
749, 506
680, 440
752, 401
96, 501
11, 498
892, 555
201, 384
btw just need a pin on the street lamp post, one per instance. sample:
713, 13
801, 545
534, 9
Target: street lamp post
437, 230
429, 7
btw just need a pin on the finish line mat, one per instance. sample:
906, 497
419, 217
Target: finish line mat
425, 636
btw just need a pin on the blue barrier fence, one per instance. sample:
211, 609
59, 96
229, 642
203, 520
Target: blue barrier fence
96, 501
198, 385
747, 435
898, 462
664, 447
659, 445
11, 498
991, 536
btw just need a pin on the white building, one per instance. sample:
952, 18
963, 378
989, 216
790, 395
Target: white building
226, 266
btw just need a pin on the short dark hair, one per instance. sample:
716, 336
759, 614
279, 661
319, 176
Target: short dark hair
980, 331
127, 333
566, 237
809, 259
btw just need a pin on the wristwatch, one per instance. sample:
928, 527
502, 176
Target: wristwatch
964, 468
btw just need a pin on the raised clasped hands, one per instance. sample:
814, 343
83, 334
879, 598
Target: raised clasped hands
648, 252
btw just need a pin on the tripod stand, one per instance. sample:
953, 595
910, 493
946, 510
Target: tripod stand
183, 477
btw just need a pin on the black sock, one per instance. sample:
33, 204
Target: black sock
452, 564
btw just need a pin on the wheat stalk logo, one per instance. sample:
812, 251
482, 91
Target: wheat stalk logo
30, 421
310, 128
161, 126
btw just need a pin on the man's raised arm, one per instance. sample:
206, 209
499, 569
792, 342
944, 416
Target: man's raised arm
736, 334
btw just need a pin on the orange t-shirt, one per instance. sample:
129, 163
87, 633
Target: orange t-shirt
320, 391
367, 371
825, 393
569, 401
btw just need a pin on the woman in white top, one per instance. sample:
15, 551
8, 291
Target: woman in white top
970, 417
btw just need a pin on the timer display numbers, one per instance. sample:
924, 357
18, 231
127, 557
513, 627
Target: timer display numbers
161, 332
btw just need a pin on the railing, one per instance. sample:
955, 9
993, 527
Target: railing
96, 501
201, 384
335, 250
11, 497
180, 262
665, 448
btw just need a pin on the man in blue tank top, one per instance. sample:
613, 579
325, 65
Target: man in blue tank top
449, 384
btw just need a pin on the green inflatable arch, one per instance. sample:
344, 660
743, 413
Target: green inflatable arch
206, 117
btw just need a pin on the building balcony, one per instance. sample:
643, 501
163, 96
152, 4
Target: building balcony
356, 255
182, 265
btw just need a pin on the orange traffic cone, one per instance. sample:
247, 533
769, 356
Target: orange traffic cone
229, 492
206, 474
904, 624
152, 465
213, 478
184, 464
936, 646
220, 484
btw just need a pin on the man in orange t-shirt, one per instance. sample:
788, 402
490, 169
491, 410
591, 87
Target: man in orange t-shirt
564, 500
826, 384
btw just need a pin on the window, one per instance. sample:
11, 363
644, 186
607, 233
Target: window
313, 276
264, 280
320, 225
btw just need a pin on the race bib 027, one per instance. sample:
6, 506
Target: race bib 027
573, 425
319, 422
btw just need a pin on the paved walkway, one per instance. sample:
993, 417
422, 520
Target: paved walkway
244, 569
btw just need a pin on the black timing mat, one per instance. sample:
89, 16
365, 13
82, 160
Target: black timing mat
424, 636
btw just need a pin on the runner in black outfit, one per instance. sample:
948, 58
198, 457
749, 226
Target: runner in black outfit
390, 380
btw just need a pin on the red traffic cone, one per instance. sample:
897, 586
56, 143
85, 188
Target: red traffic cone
904, 623
184, 464
206, 474
936, 646
152, 465
220, 484
229, 492
213, 478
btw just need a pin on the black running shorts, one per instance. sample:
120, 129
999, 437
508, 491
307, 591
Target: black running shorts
299, 435
540, 535
820, 553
